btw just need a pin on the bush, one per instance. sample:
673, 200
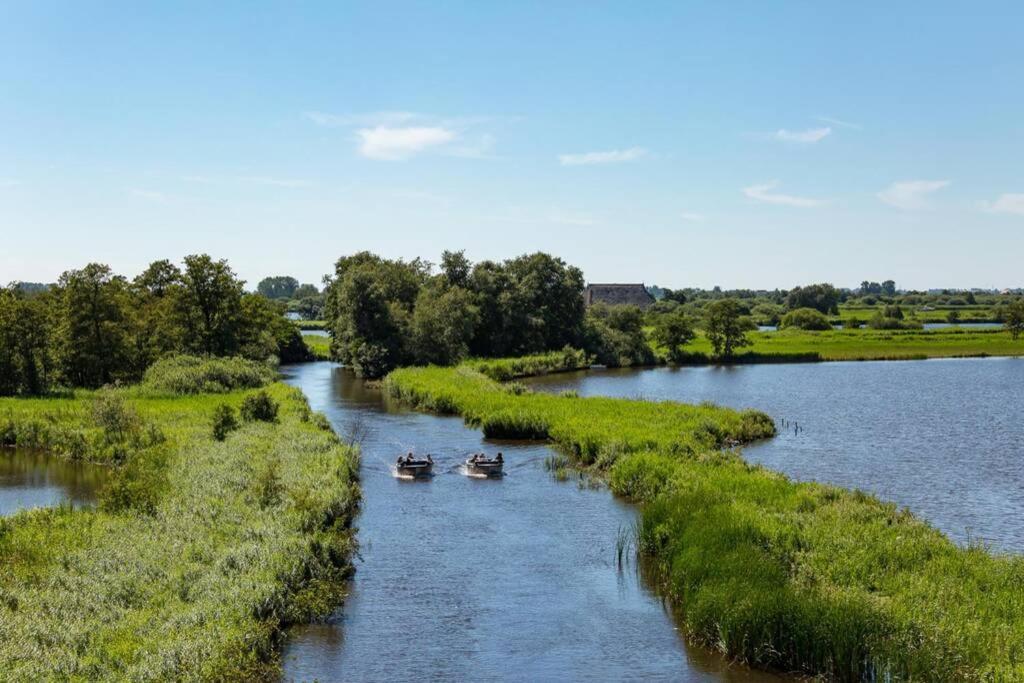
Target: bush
259, 407
806, 319
224, 421
181, 375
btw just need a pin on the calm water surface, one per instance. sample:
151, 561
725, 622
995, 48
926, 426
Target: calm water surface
29, 479
942, 437
476, 580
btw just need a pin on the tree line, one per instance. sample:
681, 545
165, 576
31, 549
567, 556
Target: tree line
94, 327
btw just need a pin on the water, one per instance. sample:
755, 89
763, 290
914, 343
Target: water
29, 479
478, 579
942, 437
315, 333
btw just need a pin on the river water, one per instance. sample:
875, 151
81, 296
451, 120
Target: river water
29, 479
464, 579
942, 437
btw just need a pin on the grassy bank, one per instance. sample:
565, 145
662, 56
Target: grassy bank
840, 345
797, 577
318, 345
199, 552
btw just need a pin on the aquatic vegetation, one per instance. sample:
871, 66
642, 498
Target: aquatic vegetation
199, 553
181, 375
794, 576
504, 369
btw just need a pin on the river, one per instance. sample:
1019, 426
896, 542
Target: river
942, 437
482, 580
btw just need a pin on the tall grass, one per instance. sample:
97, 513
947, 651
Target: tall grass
793, 576
197, 556
182, 375
504, 369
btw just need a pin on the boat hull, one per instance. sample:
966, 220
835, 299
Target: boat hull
485, 469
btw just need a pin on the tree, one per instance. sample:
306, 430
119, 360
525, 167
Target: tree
1013, 318
806, 319
889, 288
92, 335
953, 317
456, 268
159, 278
278, 287
443, 324
26, 361
674, 331
210, 306
305, 291
614, 335
726, 327
822, 297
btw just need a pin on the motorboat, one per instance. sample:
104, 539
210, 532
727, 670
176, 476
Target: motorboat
481, 465
412, 468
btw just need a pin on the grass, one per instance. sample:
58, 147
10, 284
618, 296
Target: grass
311, 324
504, 369
939, 314
319, 345
199, 553
180, 375
798, 577
787, 346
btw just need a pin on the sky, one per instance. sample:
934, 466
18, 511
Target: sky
739, 144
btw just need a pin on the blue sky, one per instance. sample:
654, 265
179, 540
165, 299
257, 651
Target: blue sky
683, 144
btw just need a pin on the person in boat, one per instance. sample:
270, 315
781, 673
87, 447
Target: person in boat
499, 458
429, 459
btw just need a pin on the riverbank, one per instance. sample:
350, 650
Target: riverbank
319, 345
199, 553
794, 576
789, 346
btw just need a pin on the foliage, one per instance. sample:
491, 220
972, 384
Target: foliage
673, 331
182, 375
504, 369
26, 357
199, 555
259, 407
805, 319
821, 297
1013, 318
278, 287
443, 323
726, 327
224, 421
614, 335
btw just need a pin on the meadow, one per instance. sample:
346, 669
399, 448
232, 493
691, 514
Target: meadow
841, 345
199, 552
318, 345
798, 577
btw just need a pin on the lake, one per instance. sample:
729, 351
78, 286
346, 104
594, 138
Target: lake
30, 479
483, 580
942, 437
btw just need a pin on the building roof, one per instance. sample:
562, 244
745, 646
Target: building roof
617, 294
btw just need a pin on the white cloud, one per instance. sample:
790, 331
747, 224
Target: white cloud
763, 193
810, 135
840, 123
1006, 203
691, 217
149, 195
911, 195
614, 156
394, 144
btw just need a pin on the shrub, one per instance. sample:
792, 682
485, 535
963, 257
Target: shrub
806, 319
259, 407
224, 421
181, 375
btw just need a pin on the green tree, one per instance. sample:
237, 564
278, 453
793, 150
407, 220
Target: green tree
210, 306
277, 287
304, 291
92, 334
725, 326
443, 324
674, 331
822, 297
614, 335
953, 317
456, 268
26, 362
1013, 318
159, 278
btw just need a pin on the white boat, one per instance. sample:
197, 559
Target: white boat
413, 469
480, 465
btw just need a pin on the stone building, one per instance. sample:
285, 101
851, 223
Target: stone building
617, 295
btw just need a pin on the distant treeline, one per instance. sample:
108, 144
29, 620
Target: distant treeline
94, 327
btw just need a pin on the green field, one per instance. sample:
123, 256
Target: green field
199, 553
319, 345
799, 577
931, 313
800, 345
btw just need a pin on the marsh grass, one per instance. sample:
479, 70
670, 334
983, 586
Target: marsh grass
184, 375
800, 577
198, 555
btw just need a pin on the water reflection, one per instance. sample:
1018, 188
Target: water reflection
30, 479
511, 578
